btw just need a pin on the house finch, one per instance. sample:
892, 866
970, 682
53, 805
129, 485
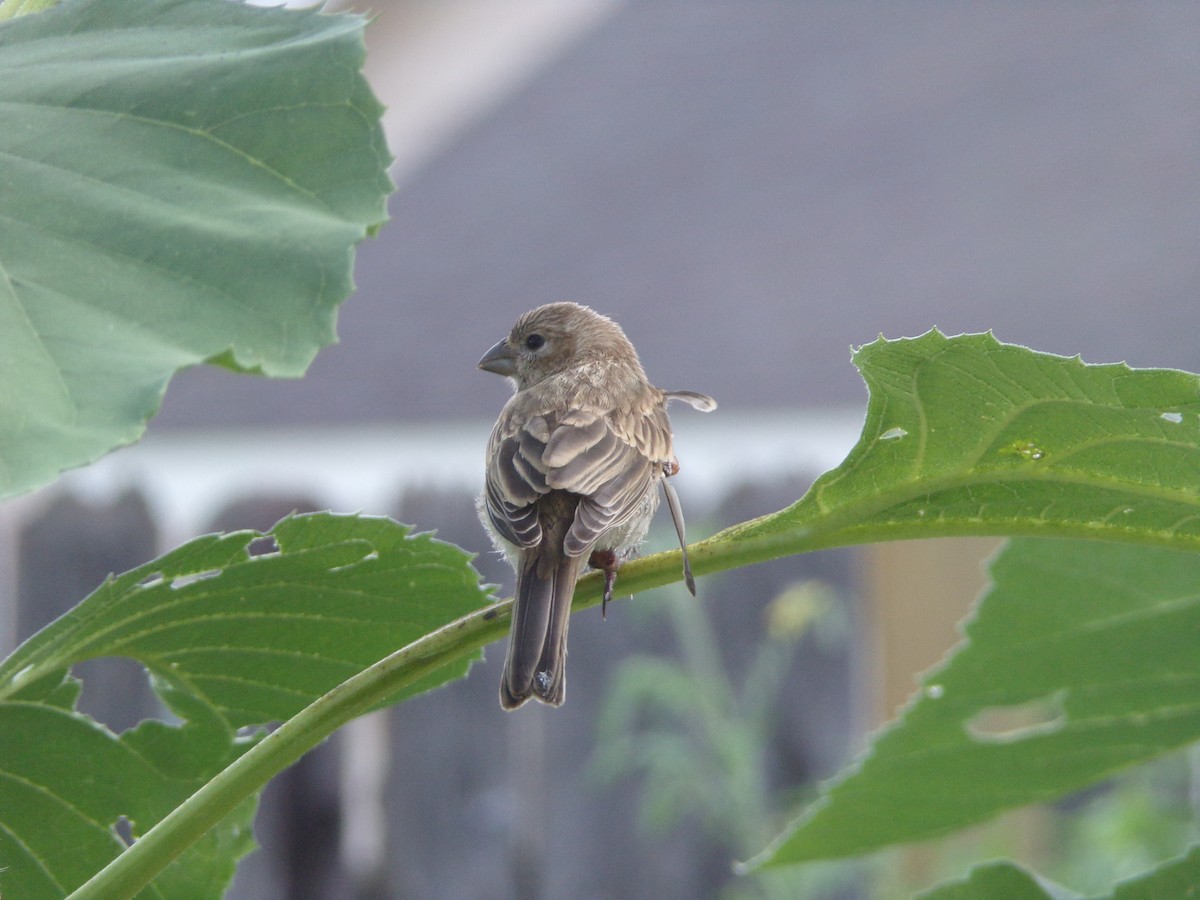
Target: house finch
572, 470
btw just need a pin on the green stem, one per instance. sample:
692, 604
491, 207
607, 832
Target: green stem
10, 9
764, 539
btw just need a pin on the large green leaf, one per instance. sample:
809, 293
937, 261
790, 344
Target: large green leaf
260, 637
1081, 660
966, 435
65, 780
182, 180
231, 640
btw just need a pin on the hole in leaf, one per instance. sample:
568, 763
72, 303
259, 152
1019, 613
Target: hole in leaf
262, 546
124, 829
1019, 721
182, 581
115, 692
252, 734
1026, 450
22, 676
366, 557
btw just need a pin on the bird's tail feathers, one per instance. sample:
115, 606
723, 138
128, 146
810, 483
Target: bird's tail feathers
537, 644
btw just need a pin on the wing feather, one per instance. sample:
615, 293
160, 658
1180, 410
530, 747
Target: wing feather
609, 459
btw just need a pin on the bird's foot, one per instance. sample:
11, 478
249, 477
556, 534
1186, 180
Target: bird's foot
606, 561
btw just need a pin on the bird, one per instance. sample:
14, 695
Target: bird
573, 466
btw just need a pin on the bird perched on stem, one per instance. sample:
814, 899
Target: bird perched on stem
573, 469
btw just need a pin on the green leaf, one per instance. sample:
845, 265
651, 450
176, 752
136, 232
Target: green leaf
64, 782
966, 435
999, 881
232, 640
261, 637
63, 778
183, 180
1081, 660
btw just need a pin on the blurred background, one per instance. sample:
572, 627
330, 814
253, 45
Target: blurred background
750, 189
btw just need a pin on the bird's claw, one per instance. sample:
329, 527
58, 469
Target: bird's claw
606, 561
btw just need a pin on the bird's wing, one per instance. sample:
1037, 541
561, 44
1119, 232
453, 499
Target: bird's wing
514, 479
610, 459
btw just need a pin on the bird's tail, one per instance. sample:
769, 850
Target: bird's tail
537, 644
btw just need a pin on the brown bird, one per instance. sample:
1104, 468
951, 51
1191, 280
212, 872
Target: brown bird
572, 470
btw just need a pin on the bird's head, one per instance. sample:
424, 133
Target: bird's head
557, 337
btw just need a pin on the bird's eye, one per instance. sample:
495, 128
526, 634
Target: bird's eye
534, 341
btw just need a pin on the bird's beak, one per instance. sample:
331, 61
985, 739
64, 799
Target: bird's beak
500, 359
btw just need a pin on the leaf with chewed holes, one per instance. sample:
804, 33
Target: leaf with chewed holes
1081, 661
966, 435
230, 640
